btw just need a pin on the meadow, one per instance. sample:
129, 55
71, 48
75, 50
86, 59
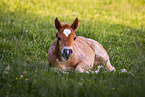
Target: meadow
27, 31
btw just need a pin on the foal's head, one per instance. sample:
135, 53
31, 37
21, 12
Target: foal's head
66, 37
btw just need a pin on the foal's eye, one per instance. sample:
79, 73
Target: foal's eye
74, 38
59, 38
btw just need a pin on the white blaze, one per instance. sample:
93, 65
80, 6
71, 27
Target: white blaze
66, 32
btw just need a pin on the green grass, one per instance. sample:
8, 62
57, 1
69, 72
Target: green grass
27, 31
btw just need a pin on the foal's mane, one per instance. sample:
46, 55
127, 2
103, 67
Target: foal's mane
65, 25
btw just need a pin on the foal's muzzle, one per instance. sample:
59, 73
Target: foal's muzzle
66, 53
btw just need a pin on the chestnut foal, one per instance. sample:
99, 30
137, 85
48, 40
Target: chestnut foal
78, 53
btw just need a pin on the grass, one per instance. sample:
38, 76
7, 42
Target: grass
27, 31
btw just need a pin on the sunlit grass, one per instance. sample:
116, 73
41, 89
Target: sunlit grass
27, 31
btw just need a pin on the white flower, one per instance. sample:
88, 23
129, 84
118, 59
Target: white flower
123, 70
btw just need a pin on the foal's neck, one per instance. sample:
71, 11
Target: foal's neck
57, 50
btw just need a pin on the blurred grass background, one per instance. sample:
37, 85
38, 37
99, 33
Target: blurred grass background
27, 31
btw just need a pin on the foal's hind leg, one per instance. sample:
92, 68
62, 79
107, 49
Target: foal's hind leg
106, 62
102, 57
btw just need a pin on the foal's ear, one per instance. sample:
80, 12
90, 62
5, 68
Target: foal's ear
57, 24
74, 26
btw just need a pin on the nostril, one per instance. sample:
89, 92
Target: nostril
64, 51
70, 51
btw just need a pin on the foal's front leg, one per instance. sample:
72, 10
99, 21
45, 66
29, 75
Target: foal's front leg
83, 66
80, 67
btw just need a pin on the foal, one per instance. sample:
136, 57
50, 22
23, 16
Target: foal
78, 53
